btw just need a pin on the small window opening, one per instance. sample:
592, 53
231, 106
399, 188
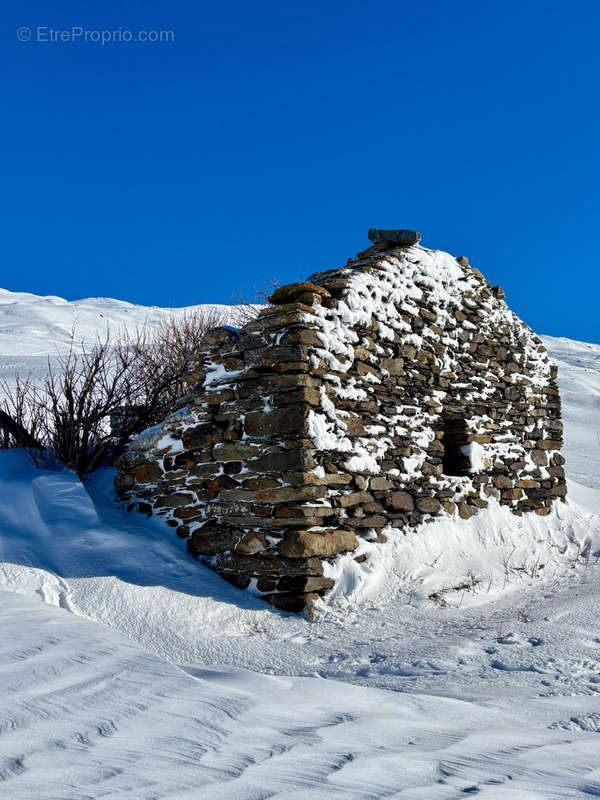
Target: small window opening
456, 459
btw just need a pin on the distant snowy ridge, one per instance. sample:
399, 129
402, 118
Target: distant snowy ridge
32, 326
34, 329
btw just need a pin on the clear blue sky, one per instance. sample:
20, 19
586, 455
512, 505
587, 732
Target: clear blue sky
269, 136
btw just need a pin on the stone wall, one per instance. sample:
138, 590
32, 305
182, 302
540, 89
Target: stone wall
397, 388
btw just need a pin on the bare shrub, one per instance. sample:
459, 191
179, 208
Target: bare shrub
66, 418
93, 401
161, 361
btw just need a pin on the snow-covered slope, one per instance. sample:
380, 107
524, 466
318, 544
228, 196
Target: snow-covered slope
31, 325
385, 694
579, 380
34, 328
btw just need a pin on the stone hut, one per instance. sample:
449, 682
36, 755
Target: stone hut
387, 392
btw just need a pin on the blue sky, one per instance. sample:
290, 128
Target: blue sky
268, 137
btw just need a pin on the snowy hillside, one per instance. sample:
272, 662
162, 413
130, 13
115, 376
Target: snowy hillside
579, 380
190, 688
31, 325
33, 328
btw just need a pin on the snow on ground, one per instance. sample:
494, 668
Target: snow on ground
388, 697
143, 675
87, 714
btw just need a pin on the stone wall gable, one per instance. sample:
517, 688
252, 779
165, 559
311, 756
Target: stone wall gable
393, 389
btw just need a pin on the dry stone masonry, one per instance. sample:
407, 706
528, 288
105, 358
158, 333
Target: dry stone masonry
395, 389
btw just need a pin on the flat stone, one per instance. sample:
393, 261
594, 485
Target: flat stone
269, 356
148, 473
188, 512
200, 436
262, 483
539, 457
303, 544
559, 491
174, 500
372, 521
465, 511
217, 397
234, 451
289, 293
549, 444
333, 479
428, 505
480, 438
379, 484
353, 499
263, 566
212, 539
280, 460
402, 237
224, 335
222, 482
185, 461
399, 501
250, 543
308, 512
289, 420
282, 495
301, 395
